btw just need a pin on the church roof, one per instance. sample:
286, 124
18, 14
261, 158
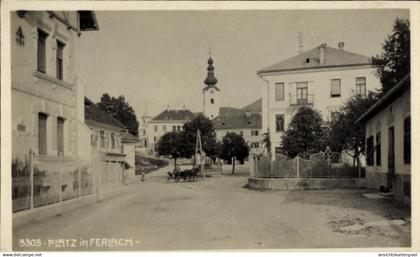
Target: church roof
211, 79
334, 57
95, 115
167, 115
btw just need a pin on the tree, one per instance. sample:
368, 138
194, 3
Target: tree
306, 134
208, 136
120, 110
233, 146
172, 144
394, 62
344, 134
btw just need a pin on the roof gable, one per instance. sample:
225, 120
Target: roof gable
96, 114
333, 57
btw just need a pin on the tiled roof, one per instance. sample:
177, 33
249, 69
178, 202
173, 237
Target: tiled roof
94, 113
174, 115
386, 99
128, 137
252, 121
229, 111
254, 107
333, 57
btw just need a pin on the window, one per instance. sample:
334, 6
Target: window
93, 139
302, 92
361, 86
369, 151
212, 101
20, 38
255, 145
101, 138
59, 60
112, 140
279, 91
164, 128
42, 133
154, 139
277, 150
378, 148
407, 140
254, 133
241, 133
106, 140
173, 128
41, 53
335, 87
156, 128
144, 132
60, 136
279, 122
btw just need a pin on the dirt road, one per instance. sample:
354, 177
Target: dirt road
218, 213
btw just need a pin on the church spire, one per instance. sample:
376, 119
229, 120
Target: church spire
211, 79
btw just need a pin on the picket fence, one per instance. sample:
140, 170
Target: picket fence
317, 166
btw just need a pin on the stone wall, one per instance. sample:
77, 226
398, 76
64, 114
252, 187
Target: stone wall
305, 183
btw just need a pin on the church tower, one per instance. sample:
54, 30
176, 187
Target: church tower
211, 93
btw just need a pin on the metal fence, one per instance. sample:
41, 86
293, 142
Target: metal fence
39, 181
317, 166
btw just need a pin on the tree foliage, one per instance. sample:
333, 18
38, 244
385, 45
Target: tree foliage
394, 61
233, 145
305, 135
344, 134
173, 144
208, 136
119, 109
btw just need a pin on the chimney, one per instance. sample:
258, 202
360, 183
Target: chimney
322, 53
341, 45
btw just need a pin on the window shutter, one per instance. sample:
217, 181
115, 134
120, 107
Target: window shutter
42, 133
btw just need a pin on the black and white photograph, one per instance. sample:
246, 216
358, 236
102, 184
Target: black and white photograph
210, 129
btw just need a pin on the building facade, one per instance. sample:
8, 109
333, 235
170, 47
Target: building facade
43, 80
246, 122
388, 142
106, 147
129, 144
322, 78
166, 121
45, 93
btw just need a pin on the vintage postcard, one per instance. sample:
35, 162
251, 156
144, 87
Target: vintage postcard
148, 126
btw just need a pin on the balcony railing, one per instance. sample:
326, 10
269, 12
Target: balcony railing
296, 100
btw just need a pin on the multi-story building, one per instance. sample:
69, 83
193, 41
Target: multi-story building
44, 102
246, 122
322, 78
166, 121
43, 80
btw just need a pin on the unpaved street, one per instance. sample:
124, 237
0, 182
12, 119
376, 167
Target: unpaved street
220, 213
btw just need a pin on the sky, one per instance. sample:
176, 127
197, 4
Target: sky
159, 58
